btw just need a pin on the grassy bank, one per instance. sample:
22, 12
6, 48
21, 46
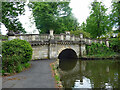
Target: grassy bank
56, 74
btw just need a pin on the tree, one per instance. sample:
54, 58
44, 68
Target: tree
53, 15
10, 12
67, 23
115, 15
98, 22
77, 33
83, 26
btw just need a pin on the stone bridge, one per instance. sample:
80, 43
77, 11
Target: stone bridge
52, 46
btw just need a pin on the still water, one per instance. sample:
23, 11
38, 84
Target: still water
90, 73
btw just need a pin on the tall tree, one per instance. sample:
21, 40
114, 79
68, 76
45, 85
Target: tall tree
115, 15
53, 15
98, 22
83, 26
10, 12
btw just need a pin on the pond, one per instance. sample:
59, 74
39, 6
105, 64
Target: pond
90, 73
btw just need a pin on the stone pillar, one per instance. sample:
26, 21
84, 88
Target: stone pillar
73, 38
67, 35
85, 39
21, 37
95, 41
89, 41
51, 34
100, 41
82, 50
11, 37
107, 42
61, 36
81, 35
33, 38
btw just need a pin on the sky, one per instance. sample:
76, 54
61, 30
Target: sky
80, 9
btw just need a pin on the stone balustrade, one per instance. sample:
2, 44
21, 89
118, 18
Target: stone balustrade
57, 37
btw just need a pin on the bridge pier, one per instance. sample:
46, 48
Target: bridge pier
82, 46
82, 50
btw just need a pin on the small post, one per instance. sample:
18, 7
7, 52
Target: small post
85, 40
62, 36
51, 34
100, 41
82, 50
95, 41
21, 37
81, 35
89, 41
73, 38
67, 35
107, 42
33, 38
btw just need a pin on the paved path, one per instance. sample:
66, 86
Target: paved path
38, 76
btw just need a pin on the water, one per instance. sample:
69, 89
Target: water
90, 73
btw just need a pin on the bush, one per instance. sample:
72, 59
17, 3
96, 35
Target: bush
99, 50
115, 44
15, 53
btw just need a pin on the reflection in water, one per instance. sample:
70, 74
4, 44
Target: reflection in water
83, 84
66, 64
90, 73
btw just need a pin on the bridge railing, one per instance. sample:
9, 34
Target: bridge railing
58, 37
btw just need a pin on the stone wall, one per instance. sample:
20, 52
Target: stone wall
40, 52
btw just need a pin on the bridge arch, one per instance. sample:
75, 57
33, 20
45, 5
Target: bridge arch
67, 53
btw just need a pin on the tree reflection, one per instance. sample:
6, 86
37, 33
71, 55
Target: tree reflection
95, 73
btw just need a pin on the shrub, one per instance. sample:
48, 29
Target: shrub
26, 65
115, 44
99, 50
15, 53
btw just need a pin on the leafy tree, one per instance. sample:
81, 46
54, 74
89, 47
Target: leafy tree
77, 33
115, 15
67, 23
10, 12
98, 22
83, 26
53, 15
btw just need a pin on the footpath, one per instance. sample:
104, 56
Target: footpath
38, 76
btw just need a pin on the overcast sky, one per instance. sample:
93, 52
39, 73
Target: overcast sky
80, 9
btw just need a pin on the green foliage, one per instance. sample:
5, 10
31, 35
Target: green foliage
53, 15
53, 67
115, 15
57, 78
83, 26
99, 50
3, 37
14, 54
10, 13
19, 68
98, 22
26, 65
115, 44
77, 33
118, 35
